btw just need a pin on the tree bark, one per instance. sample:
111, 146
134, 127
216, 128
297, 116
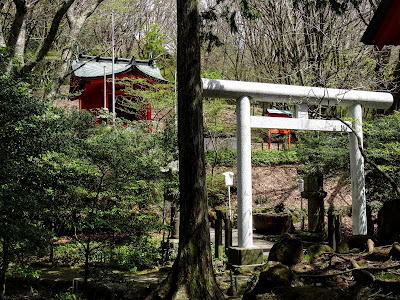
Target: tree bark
2, 38
48, 41
192, 273
17, 37
17, 57
21, 11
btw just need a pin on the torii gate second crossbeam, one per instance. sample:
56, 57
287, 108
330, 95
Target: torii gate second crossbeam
301, 97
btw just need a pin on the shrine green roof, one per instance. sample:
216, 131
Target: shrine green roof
90, 67
279, 111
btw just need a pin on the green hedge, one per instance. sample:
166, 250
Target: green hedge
228, 158
274, 157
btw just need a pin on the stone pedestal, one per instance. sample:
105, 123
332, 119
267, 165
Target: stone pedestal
272, 223
314, 192
175, 215
245, 256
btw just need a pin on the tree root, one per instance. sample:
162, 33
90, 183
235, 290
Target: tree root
371, 269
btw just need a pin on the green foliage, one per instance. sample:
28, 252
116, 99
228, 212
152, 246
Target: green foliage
4, 58
381, 142
24, 139
222, 10
140, 254
213, 75
154, 44
25, 271
215, 126
248, 12
68, 253
388, 276
323, 153
216, 190
327, 153
63, 172
261, 200
159, 95
111, 183
274, 157
68, 296
228, 158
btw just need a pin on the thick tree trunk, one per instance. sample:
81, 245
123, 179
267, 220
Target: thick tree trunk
192, 274
16, 38
2, 38
20, 13
17, 57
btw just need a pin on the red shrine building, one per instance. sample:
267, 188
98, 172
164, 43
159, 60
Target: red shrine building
384, 27
272, 112
90, 80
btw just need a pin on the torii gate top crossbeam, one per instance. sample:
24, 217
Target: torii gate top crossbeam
292, 94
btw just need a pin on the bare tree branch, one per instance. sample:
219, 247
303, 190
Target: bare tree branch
47, 43
347, 271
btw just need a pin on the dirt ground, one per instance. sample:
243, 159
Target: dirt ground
273, 185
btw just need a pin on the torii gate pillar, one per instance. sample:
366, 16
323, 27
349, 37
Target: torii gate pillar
245, 221
359, 204
245, 253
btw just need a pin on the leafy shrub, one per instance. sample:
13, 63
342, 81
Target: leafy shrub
68, 253
228, 158
323, 153
261, 200
68, 296
138, 255
274, 157
381, 143
225, 158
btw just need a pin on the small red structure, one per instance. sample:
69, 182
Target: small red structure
282, 114
91, 72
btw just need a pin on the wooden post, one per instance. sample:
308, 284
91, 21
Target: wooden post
228, 232
218, 235
269, 139
334, 230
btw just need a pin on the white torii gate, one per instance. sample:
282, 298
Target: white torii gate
301, 97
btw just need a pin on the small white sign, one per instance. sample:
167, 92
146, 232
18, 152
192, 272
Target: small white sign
228, 178
301, 185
